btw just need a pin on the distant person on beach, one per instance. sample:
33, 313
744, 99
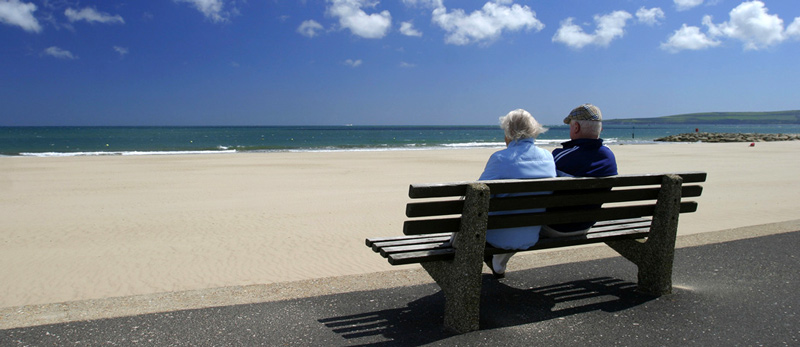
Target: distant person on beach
583, 156
520, 159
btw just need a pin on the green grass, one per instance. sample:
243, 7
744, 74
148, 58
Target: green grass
776, 117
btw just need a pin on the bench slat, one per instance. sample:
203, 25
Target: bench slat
448, 253
421, 256
640, 229
417, 227
620, 221
379, 245
520, 220
385, 251
438, 208
581, 199
373, 240
588, 239
547, 184
636, 225
434, 208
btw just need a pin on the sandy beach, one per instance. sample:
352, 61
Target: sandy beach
81, 228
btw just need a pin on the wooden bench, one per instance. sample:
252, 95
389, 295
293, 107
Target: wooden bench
638, 219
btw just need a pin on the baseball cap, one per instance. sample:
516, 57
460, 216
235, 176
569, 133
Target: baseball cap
584, 112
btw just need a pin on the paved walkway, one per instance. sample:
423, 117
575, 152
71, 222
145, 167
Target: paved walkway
742, 292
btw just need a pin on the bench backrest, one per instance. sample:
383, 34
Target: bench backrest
623, 196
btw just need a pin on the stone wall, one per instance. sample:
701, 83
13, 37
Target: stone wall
728, 137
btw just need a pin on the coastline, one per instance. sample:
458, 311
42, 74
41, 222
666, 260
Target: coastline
138, 141
96, 227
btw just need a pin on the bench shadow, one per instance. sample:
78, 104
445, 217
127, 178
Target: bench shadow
418, 323
503, 304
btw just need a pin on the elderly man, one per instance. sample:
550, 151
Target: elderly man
520, 159
583, 156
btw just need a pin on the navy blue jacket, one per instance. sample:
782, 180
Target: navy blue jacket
583, 158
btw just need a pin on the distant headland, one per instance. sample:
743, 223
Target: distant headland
775, 117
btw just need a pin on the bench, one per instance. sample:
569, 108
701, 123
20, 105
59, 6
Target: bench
638, 219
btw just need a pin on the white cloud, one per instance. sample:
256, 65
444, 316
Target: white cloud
16, 13
121, 50
352, 17
407, 28
91, 15
750, 23
309, 28
688, 37
572, 35
59, 53
212, 9
353, 63
609, 27
683, 5
793, 30
486, 24
650, 16
407, 65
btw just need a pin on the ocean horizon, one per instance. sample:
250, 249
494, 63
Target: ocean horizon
160, 140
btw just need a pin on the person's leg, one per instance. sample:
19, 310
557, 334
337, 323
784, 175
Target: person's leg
549, 232
497, 263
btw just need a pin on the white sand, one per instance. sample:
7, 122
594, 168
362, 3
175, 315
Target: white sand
83, 228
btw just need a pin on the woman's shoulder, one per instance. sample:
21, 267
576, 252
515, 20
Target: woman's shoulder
541, 152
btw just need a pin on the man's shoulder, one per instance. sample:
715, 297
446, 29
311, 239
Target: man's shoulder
606, 150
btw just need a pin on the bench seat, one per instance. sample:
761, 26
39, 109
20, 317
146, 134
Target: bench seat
402, 250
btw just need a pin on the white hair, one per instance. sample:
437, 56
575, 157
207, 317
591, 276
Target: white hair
519, 124
590, 128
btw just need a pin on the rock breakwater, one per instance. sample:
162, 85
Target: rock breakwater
728, 137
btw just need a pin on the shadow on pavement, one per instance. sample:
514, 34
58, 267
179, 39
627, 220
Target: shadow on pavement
502, 306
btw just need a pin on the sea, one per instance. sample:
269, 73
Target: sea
94, 141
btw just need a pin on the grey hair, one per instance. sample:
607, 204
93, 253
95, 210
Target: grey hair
590, 128
519, 124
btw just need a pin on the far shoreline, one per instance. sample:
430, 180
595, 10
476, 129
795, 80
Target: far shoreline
701, 137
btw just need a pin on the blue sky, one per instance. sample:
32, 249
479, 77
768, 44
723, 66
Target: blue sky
399, 62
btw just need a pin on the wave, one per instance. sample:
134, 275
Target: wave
474, 145
371, 148
82, 154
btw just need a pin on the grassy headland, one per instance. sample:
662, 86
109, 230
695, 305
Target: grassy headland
776, 117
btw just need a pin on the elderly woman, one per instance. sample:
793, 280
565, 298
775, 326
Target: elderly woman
521, 159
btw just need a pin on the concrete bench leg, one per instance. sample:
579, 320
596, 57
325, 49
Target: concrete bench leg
654, 257
460, 279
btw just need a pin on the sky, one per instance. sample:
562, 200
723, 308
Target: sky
389, 62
